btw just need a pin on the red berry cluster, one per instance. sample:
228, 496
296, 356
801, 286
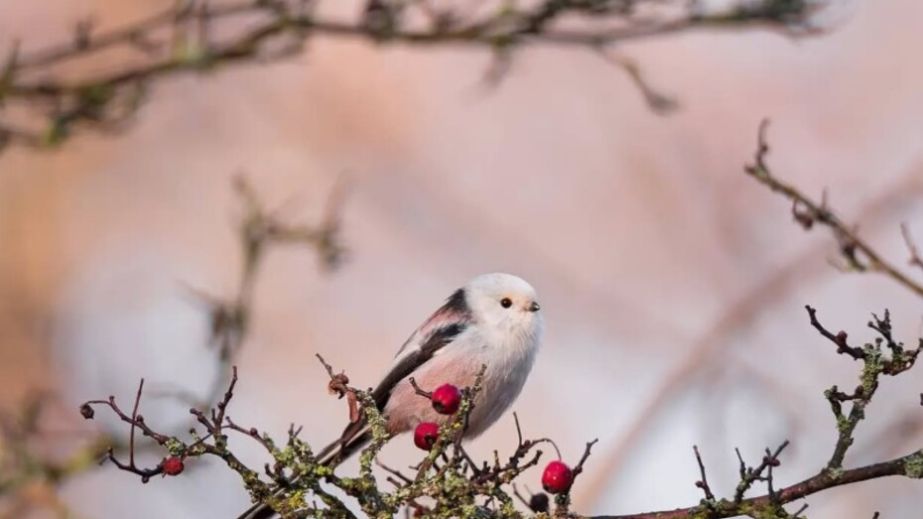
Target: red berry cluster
446, 399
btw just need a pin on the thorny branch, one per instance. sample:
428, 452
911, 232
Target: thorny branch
857, 253
212, 442
449, 483
876, 363
199, 36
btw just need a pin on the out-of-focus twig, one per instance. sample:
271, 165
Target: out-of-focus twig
657, 101
261, 230
30, 471
915, 259
185, 38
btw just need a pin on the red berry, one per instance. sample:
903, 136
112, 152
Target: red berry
425, 435
173, 466
557, 478
446, 399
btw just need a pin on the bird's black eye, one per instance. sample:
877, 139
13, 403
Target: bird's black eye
506, 302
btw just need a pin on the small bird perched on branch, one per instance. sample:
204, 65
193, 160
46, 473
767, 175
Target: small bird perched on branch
493, 321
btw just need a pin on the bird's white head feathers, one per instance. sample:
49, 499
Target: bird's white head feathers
504, 304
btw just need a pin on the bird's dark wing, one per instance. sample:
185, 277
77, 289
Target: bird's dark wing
454, 310
446, 323
409, 363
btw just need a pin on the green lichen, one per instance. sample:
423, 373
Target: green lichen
872, 369
834, 473
175, 447
913, 466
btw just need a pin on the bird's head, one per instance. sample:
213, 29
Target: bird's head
504, 304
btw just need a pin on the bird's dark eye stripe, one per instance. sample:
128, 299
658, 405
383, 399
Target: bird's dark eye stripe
506, 302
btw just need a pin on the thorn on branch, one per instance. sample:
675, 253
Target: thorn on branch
394, 472
703, 482
578, 469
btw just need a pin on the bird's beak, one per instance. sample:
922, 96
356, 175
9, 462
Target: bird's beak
534, 307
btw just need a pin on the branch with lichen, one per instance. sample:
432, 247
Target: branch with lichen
884, 356
185, 39
447, 482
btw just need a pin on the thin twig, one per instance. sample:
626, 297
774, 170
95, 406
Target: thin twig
859, 255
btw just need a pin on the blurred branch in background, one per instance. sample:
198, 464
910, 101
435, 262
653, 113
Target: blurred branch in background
915, 259
261, 230
36, 457
41, 106
30, 470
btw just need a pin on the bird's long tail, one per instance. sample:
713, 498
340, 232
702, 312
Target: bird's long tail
331, 456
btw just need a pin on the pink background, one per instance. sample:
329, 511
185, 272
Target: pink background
662, 269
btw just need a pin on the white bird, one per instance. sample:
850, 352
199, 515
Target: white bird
493, 321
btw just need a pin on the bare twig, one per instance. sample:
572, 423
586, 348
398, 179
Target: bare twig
840, 338
859, 255
702, 483
419, 391
915, 259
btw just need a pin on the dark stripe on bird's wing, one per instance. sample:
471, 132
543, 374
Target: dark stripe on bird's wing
454, 310
437, 340
437, 331
457, 304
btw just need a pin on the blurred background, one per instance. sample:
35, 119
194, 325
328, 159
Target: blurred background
673, 284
